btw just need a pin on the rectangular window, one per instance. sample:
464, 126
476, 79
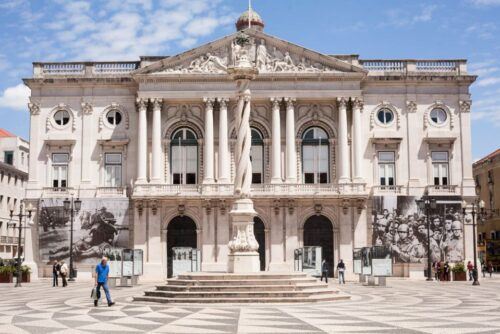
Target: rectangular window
387, 168
113, 170
184, 164
315, 163
60, 170
256, 153
440, 169
8, 157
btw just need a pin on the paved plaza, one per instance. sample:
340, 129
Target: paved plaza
402, 307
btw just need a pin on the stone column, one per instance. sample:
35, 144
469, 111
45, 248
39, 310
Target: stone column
343, 143
291, 155
156, 147
357, 142
224, 159
142, 141
276, 143
87, 140
208, 158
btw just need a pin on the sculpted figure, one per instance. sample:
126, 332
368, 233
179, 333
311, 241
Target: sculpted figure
262, 56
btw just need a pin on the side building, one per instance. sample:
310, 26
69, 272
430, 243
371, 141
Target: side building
14, 159
487, 176
342, 148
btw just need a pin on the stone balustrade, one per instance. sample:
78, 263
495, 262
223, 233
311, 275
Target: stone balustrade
384, 190
433, 190
381, 67
83, 69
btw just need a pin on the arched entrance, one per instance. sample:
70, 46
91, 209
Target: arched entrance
260, 236
181, 232
318, 231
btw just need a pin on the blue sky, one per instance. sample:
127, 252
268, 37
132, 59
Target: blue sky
60, 30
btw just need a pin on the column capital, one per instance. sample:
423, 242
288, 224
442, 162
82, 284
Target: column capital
87, 108
275, 101
157, 103
141, 103
209, 102
465, 105
34, 108
358, 103
223, 102
289, 102
411, 106
342, 101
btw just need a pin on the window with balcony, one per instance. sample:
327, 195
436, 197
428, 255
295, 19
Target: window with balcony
8, 157
257, 157
113, 170
387, 169
184, 157
315, 156
440, 166
60, 163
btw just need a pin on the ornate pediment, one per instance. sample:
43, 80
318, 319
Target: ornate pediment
268, 54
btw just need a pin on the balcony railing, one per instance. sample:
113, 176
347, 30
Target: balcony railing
258, 190
377, 67
111, 192
57, 192
434, 190
387, 190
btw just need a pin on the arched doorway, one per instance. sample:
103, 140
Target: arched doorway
260, 236
318, 231
181, 232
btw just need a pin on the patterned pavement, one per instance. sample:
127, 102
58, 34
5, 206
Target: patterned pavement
402, 307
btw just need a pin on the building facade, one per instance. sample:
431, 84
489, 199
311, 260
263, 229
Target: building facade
486, 174
14, 159
340, 147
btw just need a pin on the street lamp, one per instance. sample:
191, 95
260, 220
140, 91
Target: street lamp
20, 215
424, 205
71, 206
477, 205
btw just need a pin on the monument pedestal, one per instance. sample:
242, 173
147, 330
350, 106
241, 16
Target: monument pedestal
243, 257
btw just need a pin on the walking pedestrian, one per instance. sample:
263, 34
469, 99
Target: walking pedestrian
437, 270
56, 267
446, 271
490, 268
64, 273
470, 269
101, 279
484, 268
324, 270
341, 270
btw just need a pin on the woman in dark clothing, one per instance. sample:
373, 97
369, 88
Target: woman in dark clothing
446, 271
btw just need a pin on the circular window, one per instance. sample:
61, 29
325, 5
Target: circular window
114, 117
61, 117
385, 116
438, 116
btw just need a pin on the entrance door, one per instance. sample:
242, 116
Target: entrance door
318, 231
260, 235
181, 232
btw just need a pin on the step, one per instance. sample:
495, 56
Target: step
231, 277
249, 282
283, 300
285, 287
237, 294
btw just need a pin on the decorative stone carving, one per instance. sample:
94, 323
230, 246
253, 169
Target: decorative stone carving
411, 106
358, 103
141, 103
244, 240
34, 108
154, 207
291, 206
140, 207
181, 209
87, 108
465, 105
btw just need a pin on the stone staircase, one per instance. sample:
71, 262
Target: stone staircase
242, 288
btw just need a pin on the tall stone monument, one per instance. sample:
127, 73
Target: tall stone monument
243, 256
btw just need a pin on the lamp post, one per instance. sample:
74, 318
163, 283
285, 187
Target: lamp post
477, 208
424, 205
20, 215
71, 207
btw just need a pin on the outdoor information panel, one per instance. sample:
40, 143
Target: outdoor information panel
356, 256
115, 262
308, 259
366, 261
128, 263
381, 261
138, 262
185, 259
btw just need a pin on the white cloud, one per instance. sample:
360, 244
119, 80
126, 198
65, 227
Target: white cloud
488, 81
400, 17
10, 4
482, 30
15, 97
485, 2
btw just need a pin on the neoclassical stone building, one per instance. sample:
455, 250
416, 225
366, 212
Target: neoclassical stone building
151, 142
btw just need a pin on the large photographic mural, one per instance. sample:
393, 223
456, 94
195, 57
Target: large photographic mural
399, 225
100, 225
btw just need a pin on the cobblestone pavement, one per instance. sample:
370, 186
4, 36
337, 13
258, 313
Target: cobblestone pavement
402, 307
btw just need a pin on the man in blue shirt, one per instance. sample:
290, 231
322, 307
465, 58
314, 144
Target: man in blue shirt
101, 279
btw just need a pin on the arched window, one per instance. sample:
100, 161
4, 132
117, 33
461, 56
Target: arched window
257, 157
315, 156
184, 157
